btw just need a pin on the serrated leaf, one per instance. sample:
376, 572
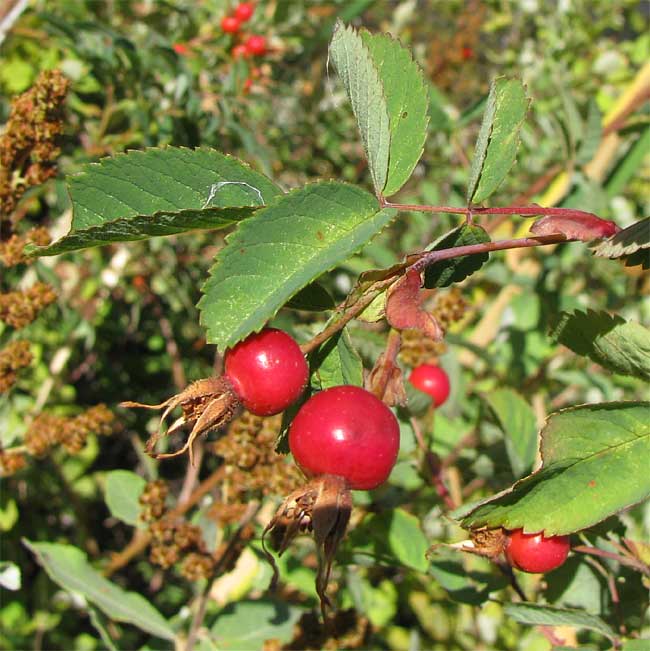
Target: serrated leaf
498, 138
620, 346
336, 362
631, 244
123, 490
365, 90
447, 272
595, 463
536, 614
69, 567
248, 624
313, 298
407, 105
156, 192
280, 250
517, 420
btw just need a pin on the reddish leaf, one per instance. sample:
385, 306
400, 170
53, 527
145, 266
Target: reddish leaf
404, 307
585, 227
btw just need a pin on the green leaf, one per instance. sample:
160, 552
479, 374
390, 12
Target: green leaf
365, 90
407, 103
595, 463
527, 613
498, 138
618, 345
632, 244
123, 490
313, 298
517, 420
592, 134
247, 625
280, 250
159, 192
336, 362
454, 270
392, 537
629, 165
69, 567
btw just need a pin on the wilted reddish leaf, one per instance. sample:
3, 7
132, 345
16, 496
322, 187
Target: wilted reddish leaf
404, 307
584, 227
385, 380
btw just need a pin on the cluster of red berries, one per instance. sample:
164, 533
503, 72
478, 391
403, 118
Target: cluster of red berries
252, 45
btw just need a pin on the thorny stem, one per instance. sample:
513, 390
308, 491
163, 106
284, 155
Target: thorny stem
251, 511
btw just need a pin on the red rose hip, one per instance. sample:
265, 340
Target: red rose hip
267, 370
348, 432
230, 24
244, 11
534, 552
432, 380
256, 45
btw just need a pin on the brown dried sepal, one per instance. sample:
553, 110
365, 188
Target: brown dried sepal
322, 507
206, 404
490, 543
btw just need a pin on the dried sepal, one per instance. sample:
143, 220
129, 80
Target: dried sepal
206, 405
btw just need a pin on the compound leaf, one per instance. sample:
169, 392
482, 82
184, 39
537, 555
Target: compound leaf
280, 250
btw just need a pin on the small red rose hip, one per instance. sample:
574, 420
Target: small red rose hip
244, 11
432, 380
267, 370
348, 432
534, 552
240, 51
256, 45
230, 24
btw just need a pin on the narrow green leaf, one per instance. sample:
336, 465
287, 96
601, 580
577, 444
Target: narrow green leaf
629, 165
156, 192
447, 272
407, 104
123, 490
632, 244
592, 134
620, 346
280, 250
336, 362
248, 624
313, 298
517, 420
595, 464
364, 88
69, 567
536, 614
498, 139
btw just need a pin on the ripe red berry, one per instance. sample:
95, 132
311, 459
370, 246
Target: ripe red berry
534, 552
346, 431
256, 45
240, 51
267, 370
230, 24
244, 11
432, 380
180, 49
467, 53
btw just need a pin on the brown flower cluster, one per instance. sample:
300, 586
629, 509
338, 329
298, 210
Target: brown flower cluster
29, 145
20, 308
448, 308
48, 430
254, 468
12, 250
173, 540
13, 357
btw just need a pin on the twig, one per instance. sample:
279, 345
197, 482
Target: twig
623, 560
613, 590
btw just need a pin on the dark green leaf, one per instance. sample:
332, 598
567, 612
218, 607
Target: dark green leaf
313, 298
536, 614
407, 104
620, 346
454, 270
517, 420
363, 85
69, 567
280, 250
595, 464
498, 138
631, 244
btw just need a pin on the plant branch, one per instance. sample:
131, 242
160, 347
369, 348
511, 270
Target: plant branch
623, 560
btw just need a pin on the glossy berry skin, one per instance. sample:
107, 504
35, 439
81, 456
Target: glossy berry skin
432, 380
230, 24
244, 11
346, 431
256, 45
534, 552
267, 370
